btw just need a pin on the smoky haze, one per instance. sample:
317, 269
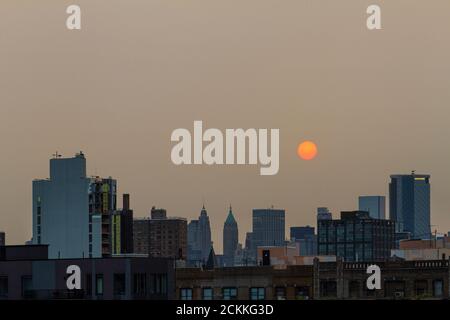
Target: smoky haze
375, 102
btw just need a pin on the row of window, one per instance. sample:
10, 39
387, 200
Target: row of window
255, 293
157, 285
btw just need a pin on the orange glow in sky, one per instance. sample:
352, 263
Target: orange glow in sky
307, 150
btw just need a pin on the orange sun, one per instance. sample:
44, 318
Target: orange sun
307, 150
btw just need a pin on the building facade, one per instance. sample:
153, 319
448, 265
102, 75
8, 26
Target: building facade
409, 204
161, 236
375, 205
27, 273
356, 237
230, 239
61, 216
322, 280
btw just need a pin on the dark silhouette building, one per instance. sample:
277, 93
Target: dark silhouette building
122, 228
306, 238
27, 273
230, 239
356, 237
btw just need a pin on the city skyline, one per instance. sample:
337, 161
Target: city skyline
374, 105
54, 169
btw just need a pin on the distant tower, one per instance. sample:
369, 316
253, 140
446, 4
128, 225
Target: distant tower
268, 228
375, 205
323, 214
204, 230
230, 239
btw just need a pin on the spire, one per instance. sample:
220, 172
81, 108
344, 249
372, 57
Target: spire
203, 212
211, 263
230, 218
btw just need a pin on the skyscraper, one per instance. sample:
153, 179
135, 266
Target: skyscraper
409, 204
375, 205
204, 232
2, 238
72, 212
230, 239
268, 228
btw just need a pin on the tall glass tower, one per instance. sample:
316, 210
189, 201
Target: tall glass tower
409, 204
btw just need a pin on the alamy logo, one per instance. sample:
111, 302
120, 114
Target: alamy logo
249, 146
74, 279
374, 280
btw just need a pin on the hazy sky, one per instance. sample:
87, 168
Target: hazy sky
375, 102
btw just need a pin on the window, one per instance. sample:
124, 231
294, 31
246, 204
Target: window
280, 293
438, 288
340, 250
302, 293
229, 293
89, 284
140, 284
119, 284
159, 284
349, 232
340, 233
27, 287
99, 284
186, 294
208, 294
3, 287
257, 293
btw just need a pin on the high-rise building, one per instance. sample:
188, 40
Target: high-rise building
323, 214
356, 237
160, 236
409, 204
249, 254
194, 253
71, 212
199, 239
204, 231
230, 239
2, 239
102, 205
168, 235
306, 239
268, 228
375, 205
122, 228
